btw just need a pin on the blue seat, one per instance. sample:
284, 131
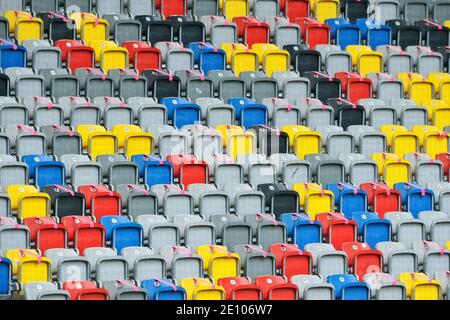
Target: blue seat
347, 198
208, 57
371, 228
335, 23
248, 112
415, 198
5, 277
348, 34
302, 229
364, 25
142, 160
181, 112
12, 56
157, 172
212, 59
44, 170
198, 47
162, 289
122, 232
348, 287
378, 35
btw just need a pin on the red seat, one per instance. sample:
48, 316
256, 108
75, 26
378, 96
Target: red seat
276, 288
188, 169
252, 31
173, 8
84, 233
240, 288
313, 32
47, 233
143, 56
337, 229
355, 87
85, 290
66, 45
445, 159
381, 198
75, 55
291, 260
362, 259
294, 9
101, 201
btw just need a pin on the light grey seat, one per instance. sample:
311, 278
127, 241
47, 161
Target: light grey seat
312, 287
233, 231
137, 7
267, 230
223, 33
438, 226
67, 265
117, 170
384, 286
397, 258
137, 200
44, 291
295, 171
104, 6
12, 172
386, 10
182, 263
432, 257
255, 261
406, 229
368, 141
144, 264
209, 200
327, 260
244, 200
13, 235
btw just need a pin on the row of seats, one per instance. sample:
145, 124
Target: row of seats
230, 149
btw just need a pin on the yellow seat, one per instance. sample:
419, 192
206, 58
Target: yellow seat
85, 131
381, 158
400, 140
202, 289
99, 46
396, 171
437, 78
303, 188
30, 266
16, 191
318, 201
391, 130
218, 262
226, 130
446, 24
235, 8
102, 143
307, 143
29, 29
370, 62
262, 48
420, 287
34, 204
421, 91
244, 60
355, 50
122, 131
79, 17
441, 117
277, 60
292, 131
241, 144
229, 48
326, 9
444, 91
436, 143
13, 16
431, 105
407, 78
93, 29
447, 245
114, 58
139, 143
422, 130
